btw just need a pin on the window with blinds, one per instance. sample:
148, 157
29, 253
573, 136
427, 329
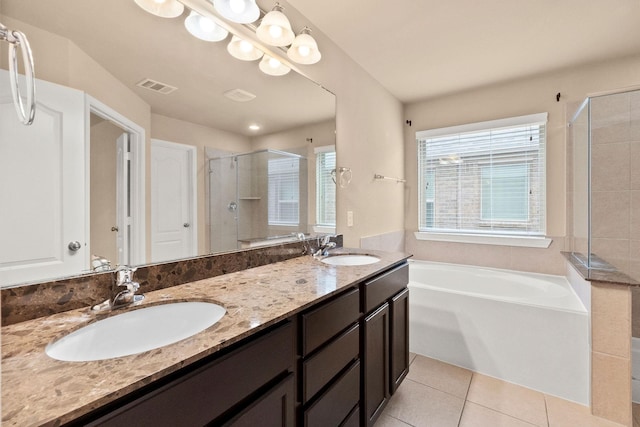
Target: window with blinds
484, 178
284, 191
325, 187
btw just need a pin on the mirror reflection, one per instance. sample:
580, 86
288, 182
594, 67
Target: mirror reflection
151, 145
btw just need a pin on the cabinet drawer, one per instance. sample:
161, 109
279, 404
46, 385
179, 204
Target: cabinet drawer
383, 287
200, 396
337, 402
328, 362
324, 322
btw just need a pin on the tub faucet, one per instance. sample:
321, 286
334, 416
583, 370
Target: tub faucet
124, 297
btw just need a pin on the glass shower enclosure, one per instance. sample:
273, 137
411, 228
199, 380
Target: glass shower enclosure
604, 183
256, 198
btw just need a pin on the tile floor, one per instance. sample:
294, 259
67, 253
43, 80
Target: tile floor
441, 395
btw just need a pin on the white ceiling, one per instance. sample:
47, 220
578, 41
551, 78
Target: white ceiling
133, 45
419, 49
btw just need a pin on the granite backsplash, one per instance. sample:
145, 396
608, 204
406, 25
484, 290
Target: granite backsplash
42, 299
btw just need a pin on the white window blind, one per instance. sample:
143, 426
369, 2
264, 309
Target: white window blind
484, 178
284, 191
325, 187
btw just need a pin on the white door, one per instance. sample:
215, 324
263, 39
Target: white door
123, 216
42, 186
173, 199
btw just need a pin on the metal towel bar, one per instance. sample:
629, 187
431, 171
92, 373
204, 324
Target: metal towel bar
397, 180
15, 39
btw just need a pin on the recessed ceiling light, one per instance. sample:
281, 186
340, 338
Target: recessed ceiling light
254, 127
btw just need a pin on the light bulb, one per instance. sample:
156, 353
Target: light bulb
237, 6
274, 63
245, 46
275, 31
304, 50
206, 24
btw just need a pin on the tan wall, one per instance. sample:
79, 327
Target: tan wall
369, 140
181, 132
525, 96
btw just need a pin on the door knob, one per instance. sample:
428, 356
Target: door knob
74, 246
186, 225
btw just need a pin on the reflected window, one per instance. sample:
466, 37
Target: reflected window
284, 191
325, 187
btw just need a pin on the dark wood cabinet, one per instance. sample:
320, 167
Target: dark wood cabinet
385, 342
399, 339
337, 402
276, 408
376, 365
330, 374
214, 392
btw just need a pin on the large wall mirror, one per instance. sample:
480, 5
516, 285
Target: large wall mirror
151, 145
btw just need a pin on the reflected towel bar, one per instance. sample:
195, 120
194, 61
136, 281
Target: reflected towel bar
397, 180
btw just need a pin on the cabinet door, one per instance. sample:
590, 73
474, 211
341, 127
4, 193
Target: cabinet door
376, 363
399, 338
275, 409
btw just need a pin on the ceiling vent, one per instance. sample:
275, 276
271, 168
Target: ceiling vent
156, 86
239, 95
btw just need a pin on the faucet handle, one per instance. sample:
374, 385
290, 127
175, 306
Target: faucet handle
125, 275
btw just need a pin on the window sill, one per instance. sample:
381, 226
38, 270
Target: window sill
527, 242
324, 229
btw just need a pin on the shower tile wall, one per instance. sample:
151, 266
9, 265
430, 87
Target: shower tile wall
615, 180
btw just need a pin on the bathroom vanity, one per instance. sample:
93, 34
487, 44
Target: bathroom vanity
302, 343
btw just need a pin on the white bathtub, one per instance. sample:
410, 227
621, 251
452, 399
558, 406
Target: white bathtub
524, 328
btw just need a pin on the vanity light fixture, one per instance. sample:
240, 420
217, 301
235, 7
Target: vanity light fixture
304, 49
204, 28
275, 28
243, 50
162, 8
273, 67
240, 11
254, 127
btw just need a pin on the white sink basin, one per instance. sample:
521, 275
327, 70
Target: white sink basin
136, 331
350, 259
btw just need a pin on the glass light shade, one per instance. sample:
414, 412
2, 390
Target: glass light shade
273, 67
204, 28
240, 11
275, 29
162, 8
243, 50
304, 49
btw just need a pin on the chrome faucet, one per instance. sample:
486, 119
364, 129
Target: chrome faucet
124, 297
324, 245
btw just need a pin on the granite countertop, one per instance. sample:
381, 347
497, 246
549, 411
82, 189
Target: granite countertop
37, 389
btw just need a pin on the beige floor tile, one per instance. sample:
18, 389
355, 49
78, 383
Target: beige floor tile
388, 421
563, 413
478, 416
439, 375
516, 401
420, 405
